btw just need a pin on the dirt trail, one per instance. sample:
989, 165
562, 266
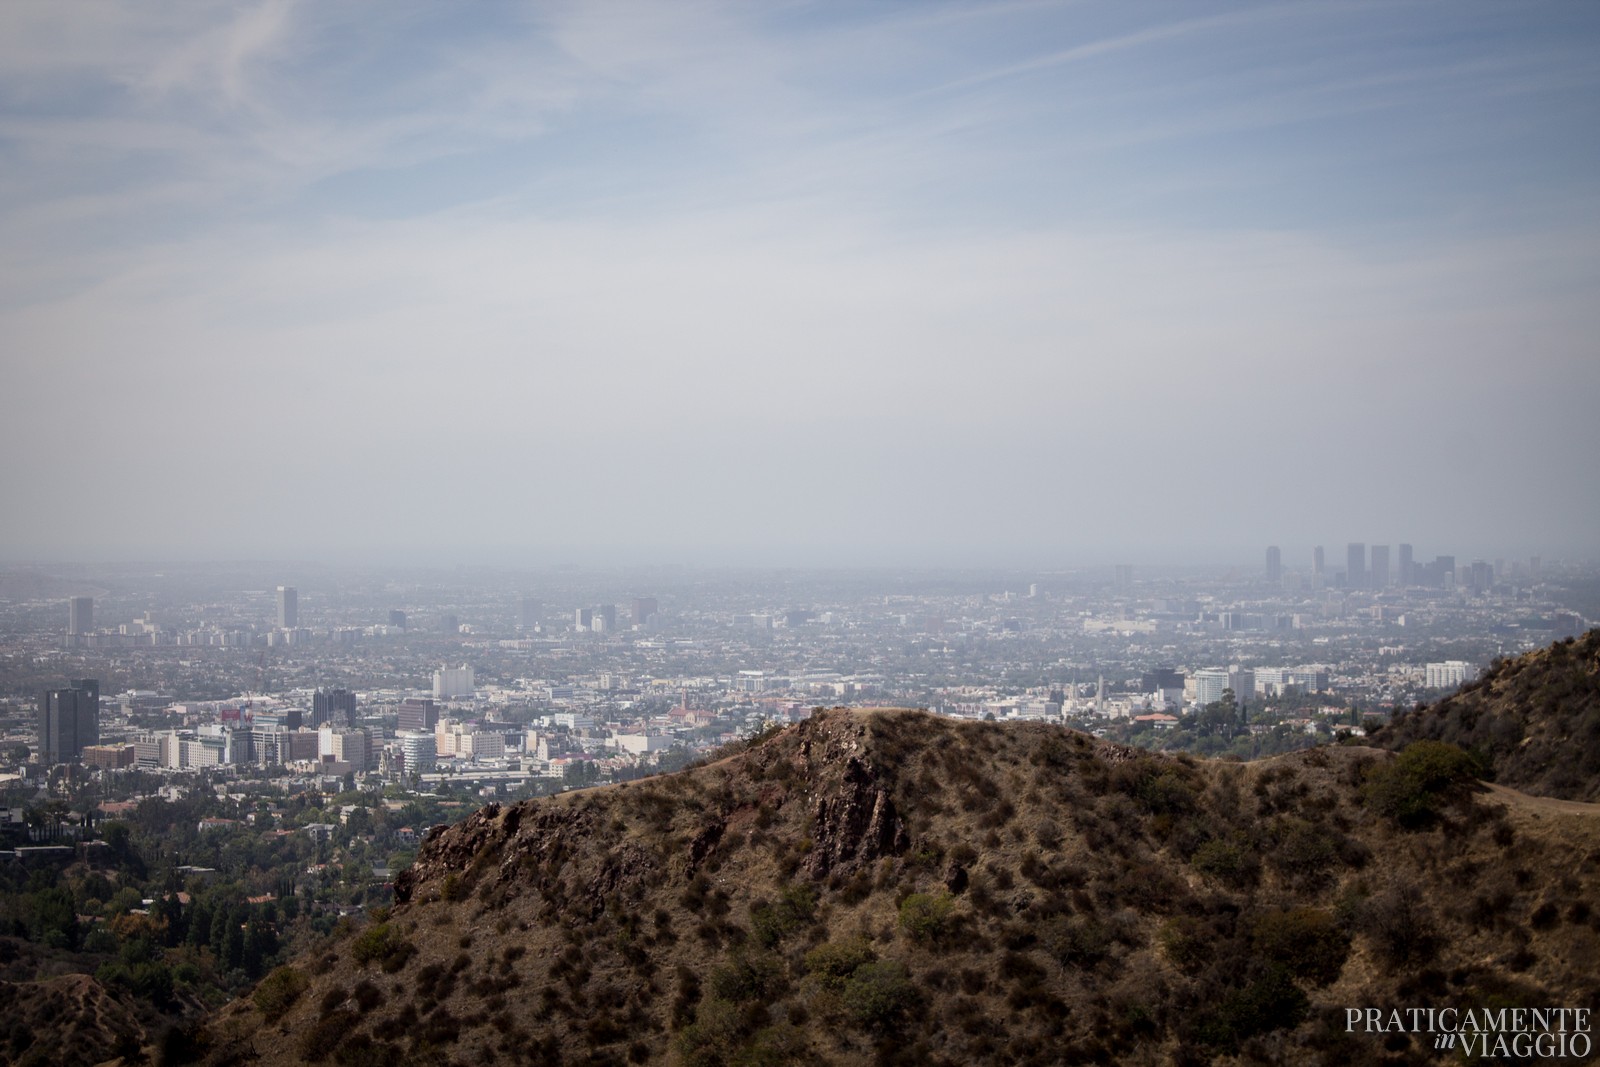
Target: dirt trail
1551, 805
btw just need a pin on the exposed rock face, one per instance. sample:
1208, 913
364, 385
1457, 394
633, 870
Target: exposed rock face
450, 849
827, 765
855, 824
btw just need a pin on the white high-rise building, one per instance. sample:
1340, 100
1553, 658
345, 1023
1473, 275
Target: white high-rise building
1449, 674
450, 683
418, 751
1209, 685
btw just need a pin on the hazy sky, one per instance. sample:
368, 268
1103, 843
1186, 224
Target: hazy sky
794, 282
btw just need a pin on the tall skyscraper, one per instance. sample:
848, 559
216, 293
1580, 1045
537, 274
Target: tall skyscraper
1355, 574
1124, 577
336, 707
1380, 567
288, 607
419, 750
1317, 560
80, 616
1274, 565
397, 618
69, 721
1407, 565
418, 714
643, 608
607, 613
452, 682
529, 613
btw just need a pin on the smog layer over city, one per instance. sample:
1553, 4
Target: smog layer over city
422, 421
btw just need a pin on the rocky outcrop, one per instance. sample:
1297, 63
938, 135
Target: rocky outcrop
854, 824
450, 850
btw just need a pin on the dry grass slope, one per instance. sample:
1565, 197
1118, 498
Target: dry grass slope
894, 887
1535, 719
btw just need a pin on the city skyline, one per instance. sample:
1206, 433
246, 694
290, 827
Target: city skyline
935, 285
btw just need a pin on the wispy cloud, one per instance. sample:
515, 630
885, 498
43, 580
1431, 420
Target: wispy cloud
563, 256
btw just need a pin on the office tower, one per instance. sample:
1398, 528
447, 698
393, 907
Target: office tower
608, 614
80, 616
1380, 567
285, 719
529, 612
1448, 674
1406, 566
418, 713
69, 721
1124, 577
1209, 685
1317, 560
336, 707
643, 608
353, 747
288, 607
1534, 563
449, 624
583, 618
1274, 565
1159, 679
1355, 574
397, 618
419, 750
452, 682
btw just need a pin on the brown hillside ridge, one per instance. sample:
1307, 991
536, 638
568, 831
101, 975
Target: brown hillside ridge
69, 1019
895, 887
1535, 718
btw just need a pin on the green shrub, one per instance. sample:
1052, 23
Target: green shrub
1414, 786
833, 963
1270, 1002
712, 1037
745, 978
1231, 861
925, 916
774, 922
323, 1037
1305, 940
772, 1046
383, 943
1187, 942
362, 1051
1304, 852
1080, 941
1165, 793
878, 994
1400, 926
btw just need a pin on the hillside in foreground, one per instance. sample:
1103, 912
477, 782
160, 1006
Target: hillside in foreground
1535, 719
890, 886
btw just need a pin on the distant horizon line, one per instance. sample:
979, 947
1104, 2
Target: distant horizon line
738, 561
